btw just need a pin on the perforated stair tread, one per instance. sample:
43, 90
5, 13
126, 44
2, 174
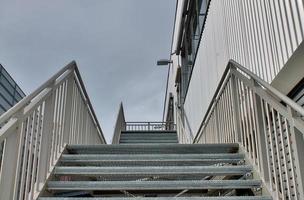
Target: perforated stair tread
150, 159
153, 170
160, 157
154, 148
153, 185
160, 198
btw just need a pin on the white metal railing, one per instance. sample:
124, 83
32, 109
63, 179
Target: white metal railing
150, 126
36, 130
266, 124
120, 125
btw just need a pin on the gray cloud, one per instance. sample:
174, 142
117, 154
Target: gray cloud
115, 43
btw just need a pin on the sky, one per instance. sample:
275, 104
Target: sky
115, 44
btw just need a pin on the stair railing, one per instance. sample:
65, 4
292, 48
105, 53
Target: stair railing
150, 126
36, 130
120, 125
267, 124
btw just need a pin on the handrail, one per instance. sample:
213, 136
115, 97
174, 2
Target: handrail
266, 85
72, 66
270, 88
150, 126
268, 126
36, 131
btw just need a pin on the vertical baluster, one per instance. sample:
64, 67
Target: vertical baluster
285, 162
10, 158
298, 146
280, 172
291, 158
260, 123
69, 103
30, 157
263, 140
274, 167
36, 152
235, 96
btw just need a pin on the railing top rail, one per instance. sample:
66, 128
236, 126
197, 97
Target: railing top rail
70, 68
155, 122
260, 81
270, 88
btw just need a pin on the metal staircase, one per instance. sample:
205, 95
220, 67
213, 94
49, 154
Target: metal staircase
248, 147
161, 171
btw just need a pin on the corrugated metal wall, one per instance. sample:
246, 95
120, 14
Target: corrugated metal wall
259, 34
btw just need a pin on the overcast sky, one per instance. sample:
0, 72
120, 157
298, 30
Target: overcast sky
115, 43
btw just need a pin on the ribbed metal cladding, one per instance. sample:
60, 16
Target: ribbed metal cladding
259, 34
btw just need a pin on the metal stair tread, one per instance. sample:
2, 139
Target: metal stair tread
152, 185
160, 198
160, 157
159, 170
154, 148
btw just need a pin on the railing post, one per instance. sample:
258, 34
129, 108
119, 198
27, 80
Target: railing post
297, 139
259, 124
68, 109
46, 139
216, 122
236, 109
8, 182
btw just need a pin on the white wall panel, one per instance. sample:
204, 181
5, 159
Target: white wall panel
259, 34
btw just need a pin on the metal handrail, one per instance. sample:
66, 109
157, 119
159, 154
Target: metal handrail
36, 131
267, 125
72, 66
269, 88
150, 126
266, 85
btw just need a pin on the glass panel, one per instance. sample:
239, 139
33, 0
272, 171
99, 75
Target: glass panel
6, 94
19, 91
18, 97
1, 111
4, 103
8, 77
7, 85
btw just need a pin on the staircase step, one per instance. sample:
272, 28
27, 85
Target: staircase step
154, 170
161, 198
153, 185
147, 141
144, 136
149, 134
150, 159
148, 138
154, 148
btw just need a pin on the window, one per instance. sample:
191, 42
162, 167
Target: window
194, 17
4, 103
7, 85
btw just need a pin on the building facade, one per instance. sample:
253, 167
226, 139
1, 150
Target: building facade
264, 36
10, 92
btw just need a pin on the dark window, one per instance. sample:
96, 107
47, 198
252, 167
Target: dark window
4, 103
7, 85
297, 93
6, 94
194, 19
